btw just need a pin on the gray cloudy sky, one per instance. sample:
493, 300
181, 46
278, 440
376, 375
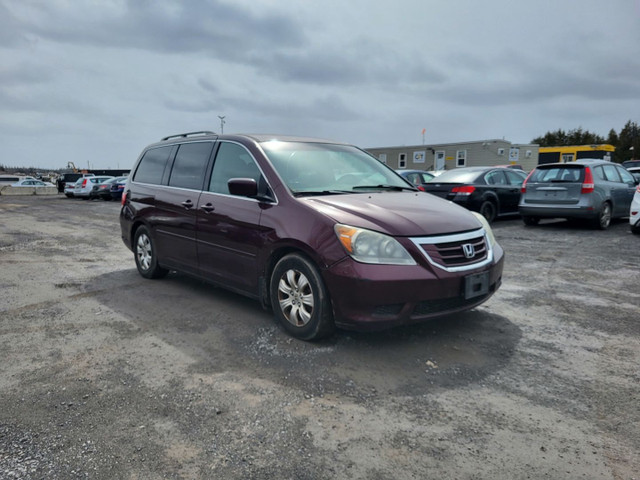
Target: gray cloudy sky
93, 82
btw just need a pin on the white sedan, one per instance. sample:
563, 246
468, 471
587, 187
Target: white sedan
32, 182
634, 212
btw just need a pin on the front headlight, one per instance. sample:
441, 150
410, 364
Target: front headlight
367, 246
487, 228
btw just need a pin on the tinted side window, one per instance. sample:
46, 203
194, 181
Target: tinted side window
413, 178
152, 166
599, 173
495, 177
190, 164
232, 161
514, 178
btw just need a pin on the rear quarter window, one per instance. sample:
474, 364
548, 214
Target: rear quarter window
152, 165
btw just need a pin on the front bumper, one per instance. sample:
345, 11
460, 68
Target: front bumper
373, 297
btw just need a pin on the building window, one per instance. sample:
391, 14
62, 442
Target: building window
461, 158
383, 158
501, 151
402, 160
528, 154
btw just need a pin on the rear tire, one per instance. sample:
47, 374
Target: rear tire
299, 298
530, 221
145, 255
489, 210
603, 219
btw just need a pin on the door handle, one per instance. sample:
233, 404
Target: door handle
187, 204
208, 208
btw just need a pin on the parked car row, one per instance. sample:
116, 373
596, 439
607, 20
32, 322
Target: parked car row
96, 186
593, 190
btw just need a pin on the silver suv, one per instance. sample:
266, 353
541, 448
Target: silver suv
590, 189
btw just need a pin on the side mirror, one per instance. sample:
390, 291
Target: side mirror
243, 187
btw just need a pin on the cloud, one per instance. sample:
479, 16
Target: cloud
205, 27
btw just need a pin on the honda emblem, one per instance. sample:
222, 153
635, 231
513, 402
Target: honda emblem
469, 250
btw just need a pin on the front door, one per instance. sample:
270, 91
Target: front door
229, 235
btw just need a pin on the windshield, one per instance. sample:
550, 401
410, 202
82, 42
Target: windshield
321, 168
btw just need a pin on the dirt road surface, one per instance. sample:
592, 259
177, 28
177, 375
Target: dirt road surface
106, 375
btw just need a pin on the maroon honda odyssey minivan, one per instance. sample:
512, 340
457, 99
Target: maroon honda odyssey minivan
319, 231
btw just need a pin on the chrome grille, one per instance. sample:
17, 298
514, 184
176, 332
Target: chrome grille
458, 252
452, 254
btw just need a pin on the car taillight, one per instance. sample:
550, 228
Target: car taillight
124, 198
523, 189
463, 190
587, 185
421, 188
84, 183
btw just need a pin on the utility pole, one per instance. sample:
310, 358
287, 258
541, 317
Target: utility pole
222, 122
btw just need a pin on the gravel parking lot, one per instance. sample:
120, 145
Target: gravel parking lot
107, 375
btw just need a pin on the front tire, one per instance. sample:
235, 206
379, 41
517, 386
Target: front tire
299, 298
145, 255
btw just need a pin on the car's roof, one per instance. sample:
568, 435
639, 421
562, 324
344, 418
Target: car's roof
256, 137
579, 162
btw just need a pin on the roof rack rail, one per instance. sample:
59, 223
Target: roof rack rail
185, 135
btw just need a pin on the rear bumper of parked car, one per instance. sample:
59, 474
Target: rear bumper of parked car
387, 295
555, 211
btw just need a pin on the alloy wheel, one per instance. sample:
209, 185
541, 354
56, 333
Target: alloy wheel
295, 296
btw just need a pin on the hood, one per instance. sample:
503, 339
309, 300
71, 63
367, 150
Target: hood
403, 214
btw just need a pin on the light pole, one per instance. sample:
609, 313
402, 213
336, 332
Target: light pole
222, 122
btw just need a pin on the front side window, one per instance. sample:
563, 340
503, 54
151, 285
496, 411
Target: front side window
514, 178
190, 165
626, 176
152, 164
611, 173
232, 161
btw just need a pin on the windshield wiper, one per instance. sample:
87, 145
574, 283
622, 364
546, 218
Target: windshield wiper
311, 193
396, 188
